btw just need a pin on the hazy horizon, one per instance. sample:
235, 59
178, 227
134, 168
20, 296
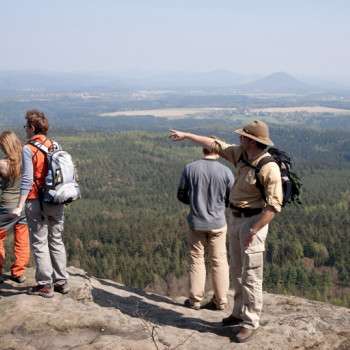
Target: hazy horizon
301, 38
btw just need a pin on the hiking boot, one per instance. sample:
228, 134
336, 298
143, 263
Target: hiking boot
45, 290
244, 334
195, 305
231, 321
62, 288
18, 279
212, 305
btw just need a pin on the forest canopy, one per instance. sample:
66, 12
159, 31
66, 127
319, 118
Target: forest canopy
130, 227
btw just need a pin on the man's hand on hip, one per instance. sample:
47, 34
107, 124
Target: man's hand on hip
250, 237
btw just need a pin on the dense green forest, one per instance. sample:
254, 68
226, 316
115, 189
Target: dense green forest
129, 226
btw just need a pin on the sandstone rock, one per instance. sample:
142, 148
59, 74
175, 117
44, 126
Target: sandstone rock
102, 314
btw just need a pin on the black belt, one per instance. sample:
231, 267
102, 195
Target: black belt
244, 212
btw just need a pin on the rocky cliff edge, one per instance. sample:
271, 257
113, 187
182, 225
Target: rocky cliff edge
102, 314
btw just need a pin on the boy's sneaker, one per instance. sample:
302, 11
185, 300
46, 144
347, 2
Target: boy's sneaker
196, 305
44, 290
18, 279
62, 288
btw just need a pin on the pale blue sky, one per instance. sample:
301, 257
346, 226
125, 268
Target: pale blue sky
257, 36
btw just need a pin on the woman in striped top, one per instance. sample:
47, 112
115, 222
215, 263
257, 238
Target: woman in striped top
10, 174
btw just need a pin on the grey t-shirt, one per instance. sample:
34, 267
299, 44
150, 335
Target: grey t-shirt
205, 185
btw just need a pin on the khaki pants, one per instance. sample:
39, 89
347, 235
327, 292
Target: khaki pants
215, 241
46, 229
246, 269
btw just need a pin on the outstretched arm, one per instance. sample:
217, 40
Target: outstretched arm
177, 135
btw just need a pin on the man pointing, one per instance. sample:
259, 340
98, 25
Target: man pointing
252, 209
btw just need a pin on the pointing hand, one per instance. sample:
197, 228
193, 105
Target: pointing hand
176, 135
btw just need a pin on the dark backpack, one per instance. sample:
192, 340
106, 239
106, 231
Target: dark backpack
291, 182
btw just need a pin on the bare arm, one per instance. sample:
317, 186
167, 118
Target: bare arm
265, 218
205, 141
4, 167
21, 202
26, 179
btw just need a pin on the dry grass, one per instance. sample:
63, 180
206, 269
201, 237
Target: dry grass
306, 109
166, 112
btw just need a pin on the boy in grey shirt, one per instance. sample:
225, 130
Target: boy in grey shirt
205, 186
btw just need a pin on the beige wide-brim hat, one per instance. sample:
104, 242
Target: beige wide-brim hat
258, 131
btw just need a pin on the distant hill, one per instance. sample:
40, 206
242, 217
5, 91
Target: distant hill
279, 82
209, 79
219, 80
68, 81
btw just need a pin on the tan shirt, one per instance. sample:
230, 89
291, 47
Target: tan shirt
245, 193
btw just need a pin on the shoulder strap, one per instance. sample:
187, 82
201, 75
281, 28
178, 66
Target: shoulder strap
259, 166
40, 146
257, 169
264, 161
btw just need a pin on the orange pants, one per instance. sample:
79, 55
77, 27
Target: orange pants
21, 249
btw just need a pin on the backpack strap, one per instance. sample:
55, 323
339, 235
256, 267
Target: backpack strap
264, 161
257, 169
40, 146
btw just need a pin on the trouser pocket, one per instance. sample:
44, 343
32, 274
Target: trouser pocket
254, 260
